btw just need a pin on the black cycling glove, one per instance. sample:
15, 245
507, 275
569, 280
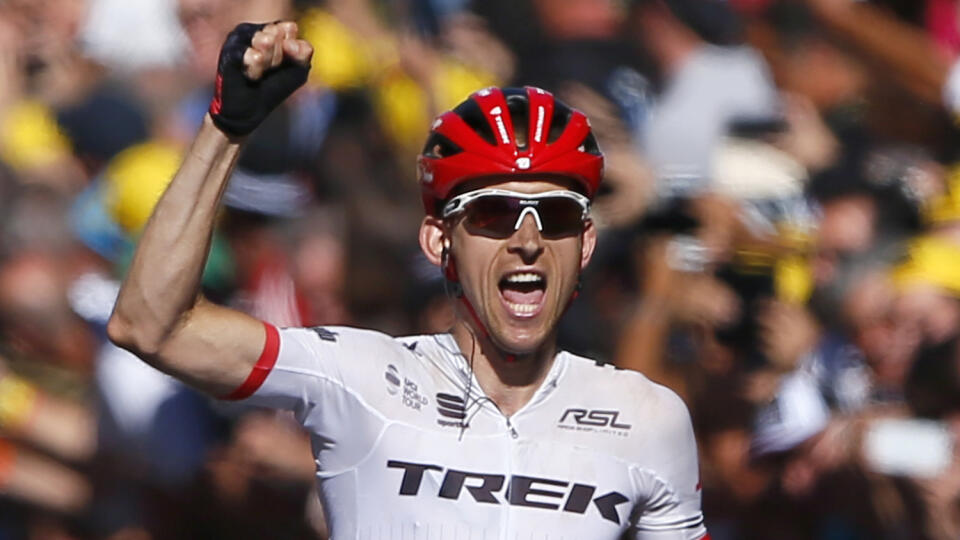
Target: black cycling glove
239, 104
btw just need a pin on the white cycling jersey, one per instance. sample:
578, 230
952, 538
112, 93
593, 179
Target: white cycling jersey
408, 447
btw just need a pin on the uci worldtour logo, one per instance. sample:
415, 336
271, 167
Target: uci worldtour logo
411, 392
515, 490
392, 375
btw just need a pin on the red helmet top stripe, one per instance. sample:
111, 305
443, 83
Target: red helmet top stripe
454, 128
572, 137
495, 109
541, 115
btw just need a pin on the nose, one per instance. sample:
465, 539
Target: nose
527, 241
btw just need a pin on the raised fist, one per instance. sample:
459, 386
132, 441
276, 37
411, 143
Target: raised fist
260, 65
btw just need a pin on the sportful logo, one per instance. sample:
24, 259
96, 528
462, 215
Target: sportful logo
598, 420
516, 490
452, 407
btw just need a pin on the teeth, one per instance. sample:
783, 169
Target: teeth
522, 308
526, 277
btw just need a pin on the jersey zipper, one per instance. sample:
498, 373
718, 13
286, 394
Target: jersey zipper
513, 431
507, 508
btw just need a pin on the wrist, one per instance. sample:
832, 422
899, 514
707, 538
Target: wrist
212, 138
210, 124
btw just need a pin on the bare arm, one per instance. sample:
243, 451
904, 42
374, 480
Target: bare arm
31, 477
642, 343
160, 315
63, 428
906, 52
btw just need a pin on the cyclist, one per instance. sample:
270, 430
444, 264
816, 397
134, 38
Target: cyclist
486, 432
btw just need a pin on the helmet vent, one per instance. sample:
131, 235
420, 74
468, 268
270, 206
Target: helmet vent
471, 114
559, 121
589, 145
519, 108
438, 146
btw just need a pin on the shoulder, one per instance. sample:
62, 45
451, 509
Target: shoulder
632, 387
358, 361
342, 349
658, 416
340, 336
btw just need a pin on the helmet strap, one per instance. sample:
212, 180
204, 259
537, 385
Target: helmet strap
451, 279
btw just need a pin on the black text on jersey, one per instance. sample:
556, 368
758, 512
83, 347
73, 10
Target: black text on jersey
570, 497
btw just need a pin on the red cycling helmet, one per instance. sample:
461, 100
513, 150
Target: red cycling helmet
511, 132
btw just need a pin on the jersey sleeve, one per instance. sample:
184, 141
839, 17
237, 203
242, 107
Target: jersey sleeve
328, 377
302, 367
669, 475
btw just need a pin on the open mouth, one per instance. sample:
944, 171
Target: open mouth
523, 293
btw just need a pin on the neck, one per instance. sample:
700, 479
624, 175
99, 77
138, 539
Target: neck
510, 380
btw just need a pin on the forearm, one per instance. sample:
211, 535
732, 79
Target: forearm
642, 343
30, 477
643, 334
163, 283
898, 48
160, 315
642, 340
60, 427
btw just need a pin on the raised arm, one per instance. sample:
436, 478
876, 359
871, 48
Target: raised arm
160, 315
904, 52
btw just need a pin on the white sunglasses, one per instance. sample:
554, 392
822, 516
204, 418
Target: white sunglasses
499, 213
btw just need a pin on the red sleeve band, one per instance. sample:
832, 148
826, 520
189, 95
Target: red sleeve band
271, 349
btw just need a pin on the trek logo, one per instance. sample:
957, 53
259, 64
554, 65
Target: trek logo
453, 411
567, 497
600, 420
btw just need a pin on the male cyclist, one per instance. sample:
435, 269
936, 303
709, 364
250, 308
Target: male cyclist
486, 432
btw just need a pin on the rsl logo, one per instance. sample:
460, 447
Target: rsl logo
595, 420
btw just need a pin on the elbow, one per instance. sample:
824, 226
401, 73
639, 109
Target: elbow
124, 334
120, 331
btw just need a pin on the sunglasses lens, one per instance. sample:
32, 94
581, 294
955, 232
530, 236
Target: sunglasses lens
493, 216
496, 216
560, 216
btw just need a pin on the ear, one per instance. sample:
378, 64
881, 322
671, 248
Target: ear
588, 244
432, 239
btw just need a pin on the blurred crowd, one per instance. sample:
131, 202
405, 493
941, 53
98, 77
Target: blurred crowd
780, 243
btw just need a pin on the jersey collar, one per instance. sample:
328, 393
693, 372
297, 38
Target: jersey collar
458, 362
